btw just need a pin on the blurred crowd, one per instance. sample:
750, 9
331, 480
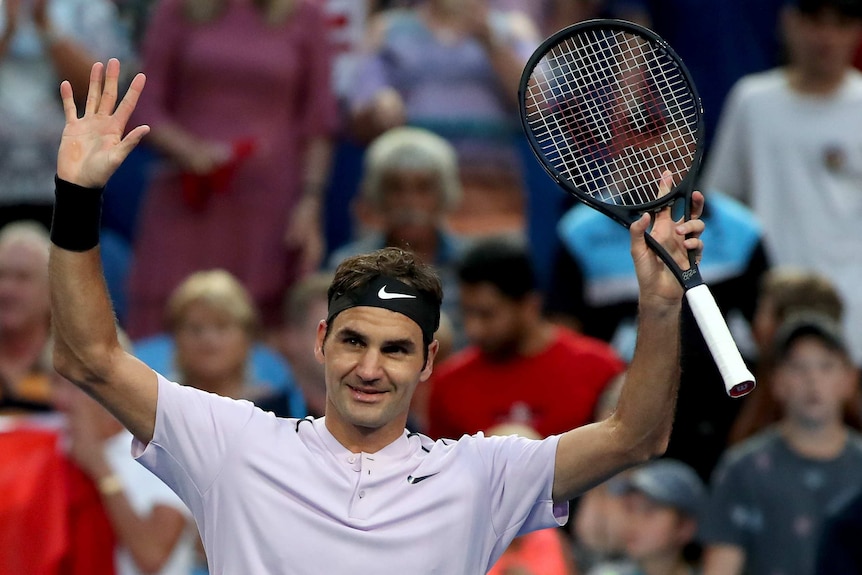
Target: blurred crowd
287, 135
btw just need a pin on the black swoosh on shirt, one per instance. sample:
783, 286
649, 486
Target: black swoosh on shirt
414, 480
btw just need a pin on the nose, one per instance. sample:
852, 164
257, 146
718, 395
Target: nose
369, 366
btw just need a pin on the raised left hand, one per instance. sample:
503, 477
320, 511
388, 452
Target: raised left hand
93, 147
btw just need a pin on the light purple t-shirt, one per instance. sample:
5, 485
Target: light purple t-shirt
273, 495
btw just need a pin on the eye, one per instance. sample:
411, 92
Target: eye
394, 350
352, 341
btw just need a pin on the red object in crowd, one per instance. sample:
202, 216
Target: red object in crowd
197, 189
51, 517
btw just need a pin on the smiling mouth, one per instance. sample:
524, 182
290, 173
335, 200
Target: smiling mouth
366, 394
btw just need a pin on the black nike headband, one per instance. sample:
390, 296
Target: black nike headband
394, 295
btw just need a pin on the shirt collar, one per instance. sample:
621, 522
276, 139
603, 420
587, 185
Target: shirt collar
401, 448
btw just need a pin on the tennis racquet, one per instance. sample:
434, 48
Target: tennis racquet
608, 106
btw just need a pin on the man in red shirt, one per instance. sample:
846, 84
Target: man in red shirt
519, 366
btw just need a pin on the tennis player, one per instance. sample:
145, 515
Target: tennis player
353, 491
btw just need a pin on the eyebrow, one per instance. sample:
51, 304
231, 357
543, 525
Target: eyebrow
406, 343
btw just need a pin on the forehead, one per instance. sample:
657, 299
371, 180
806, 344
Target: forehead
204, 311
410, 176
485, 295
22, 255
377, 324
810, 344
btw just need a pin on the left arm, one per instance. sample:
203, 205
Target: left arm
640, 426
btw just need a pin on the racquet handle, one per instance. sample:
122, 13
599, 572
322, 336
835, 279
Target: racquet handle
738, 381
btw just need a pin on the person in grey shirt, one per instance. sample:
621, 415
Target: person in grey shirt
771, 493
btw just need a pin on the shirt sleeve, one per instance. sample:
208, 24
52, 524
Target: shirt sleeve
194, 434
521, 481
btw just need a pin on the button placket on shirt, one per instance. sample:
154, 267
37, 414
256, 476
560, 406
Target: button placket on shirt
363, 464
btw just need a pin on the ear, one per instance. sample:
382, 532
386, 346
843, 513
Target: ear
851, 380
433, 348
318, 344
686, 530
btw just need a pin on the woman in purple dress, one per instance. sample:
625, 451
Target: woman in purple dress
241, 109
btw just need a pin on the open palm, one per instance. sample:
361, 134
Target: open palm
93, 147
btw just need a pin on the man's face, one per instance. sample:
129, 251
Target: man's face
813, 382
412, 201
493, 322
24, 296
373, 360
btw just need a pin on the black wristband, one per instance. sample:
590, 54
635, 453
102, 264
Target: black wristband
77, 216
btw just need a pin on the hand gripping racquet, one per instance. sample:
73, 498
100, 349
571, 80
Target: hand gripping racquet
607, 106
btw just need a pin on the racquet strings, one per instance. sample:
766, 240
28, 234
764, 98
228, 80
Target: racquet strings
611, 111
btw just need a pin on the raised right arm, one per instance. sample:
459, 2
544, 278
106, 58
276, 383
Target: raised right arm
86, 348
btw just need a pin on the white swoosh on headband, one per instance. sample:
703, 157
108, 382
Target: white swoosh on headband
383, 294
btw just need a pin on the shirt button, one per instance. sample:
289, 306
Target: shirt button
361, 494
351, 459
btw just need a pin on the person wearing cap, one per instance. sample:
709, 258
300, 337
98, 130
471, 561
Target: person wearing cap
663, 501
353, 491
771, 493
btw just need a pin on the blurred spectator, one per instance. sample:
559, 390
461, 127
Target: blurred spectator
594, 289
543, 552
790, 145
214, 324
453, 68
784, 291
305, 306
41, 43
241, 108
519, 368
663, 502
152, 527
839, 552
24, 317
771, 493
410, 183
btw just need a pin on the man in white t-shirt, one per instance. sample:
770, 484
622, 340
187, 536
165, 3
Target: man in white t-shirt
789, 143
353, 491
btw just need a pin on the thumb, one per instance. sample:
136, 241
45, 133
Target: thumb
128, 143
639, 228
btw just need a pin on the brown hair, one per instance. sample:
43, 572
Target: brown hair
357, 271
792, 290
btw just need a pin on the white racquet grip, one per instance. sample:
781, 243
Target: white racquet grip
738, 381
